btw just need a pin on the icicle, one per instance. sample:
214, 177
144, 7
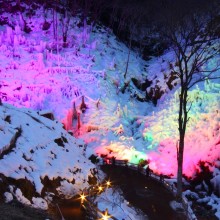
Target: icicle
83, 106
74, 112
9, 35
78, 121
17, 29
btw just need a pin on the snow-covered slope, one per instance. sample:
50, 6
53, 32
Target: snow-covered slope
39, 150
38, 73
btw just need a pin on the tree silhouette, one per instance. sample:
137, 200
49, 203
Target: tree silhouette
194, 41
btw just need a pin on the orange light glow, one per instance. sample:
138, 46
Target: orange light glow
82, 197
105, 216
100, 188
108, 183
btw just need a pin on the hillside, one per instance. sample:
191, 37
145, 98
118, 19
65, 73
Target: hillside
40, 73
33, 153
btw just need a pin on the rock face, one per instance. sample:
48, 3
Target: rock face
42, 160
155, 88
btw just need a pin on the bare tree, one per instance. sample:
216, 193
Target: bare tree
18, 3
194, 42
97, 8
114, 13
55, 22
65, 20
130, 20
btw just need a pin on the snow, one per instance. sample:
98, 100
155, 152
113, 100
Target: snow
18, 194
211, 200
216, 183
39, 154
202, 137
38, 75
8, 197
176, 205
117, 206
39, 203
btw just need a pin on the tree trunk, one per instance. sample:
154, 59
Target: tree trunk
18, 3
182, 130
64, 40
128, 59
180, 169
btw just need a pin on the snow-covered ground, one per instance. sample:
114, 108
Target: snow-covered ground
41, 150
36, 72
118, 206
